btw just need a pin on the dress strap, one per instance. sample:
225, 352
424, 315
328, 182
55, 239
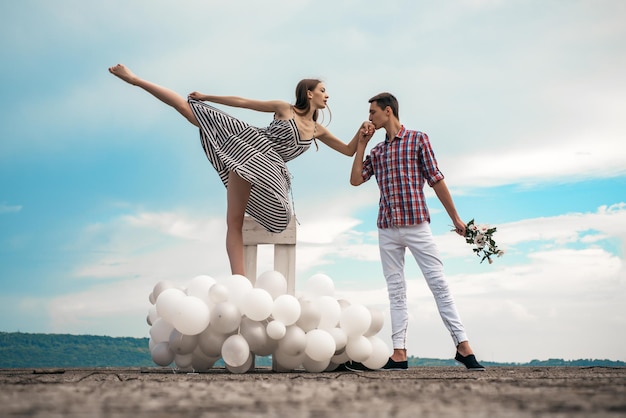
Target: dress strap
317, 148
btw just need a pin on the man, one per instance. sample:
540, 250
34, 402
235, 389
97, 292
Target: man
402, 164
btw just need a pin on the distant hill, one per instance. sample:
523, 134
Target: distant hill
23, 350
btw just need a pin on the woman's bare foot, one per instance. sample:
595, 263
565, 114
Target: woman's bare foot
124, 73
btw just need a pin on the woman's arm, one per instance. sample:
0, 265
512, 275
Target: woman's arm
335, 143
279, 107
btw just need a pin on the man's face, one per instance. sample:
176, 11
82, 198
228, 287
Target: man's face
378, 116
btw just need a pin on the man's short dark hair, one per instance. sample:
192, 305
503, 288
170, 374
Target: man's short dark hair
387, 99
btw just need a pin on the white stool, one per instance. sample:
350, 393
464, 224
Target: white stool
284, 256
284, 250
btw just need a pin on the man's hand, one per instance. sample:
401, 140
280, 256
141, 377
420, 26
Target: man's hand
366, 132
459, 227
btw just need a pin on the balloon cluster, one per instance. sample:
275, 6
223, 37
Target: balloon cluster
233, 320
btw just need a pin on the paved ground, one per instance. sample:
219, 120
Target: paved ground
500, 392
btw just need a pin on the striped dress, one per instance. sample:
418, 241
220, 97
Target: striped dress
258, 155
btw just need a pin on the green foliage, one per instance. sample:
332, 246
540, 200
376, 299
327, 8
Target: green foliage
430, 362
21, 350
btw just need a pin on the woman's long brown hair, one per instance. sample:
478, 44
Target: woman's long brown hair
302, 101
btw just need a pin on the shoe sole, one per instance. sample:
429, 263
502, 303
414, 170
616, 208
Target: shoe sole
471, 370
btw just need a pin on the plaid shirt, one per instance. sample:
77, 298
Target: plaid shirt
401, 167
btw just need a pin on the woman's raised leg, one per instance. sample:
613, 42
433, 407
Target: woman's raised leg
237, 195
164, 94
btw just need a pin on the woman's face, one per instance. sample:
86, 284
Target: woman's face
318, 96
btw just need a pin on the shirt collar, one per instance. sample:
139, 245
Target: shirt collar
399, 135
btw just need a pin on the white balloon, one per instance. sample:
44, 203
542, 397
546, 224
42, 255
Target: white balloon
199, 287
257, 304
340, 337
193, 316
380, 354
254, 333
218, 293
200, 361
160, 287
235, 351
314, 366
246, 366
152, 315
276, 330
355, 320
160, 331
181, 343
286, 309
320, 285
310, 315
183, 361
273, 282
288, 361
162, 355
320, 345
167, 303
210, 341
330, 311
267, 349
359, 348
225, 317
294, 341
340, 358
238, 286
378, 320
343, 303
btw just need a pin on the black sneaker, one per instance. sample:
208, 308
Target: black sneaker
355, 366
395, 365
341, 368
469, 362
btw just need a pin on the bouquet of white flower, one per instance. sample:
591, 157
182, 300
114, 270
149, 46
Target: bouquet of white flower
481, 237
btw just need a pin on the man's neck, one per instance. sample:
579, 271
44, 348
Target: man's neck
392, 128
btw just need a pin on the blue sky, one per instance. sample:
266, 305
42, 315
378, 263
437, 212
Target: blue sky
104, 191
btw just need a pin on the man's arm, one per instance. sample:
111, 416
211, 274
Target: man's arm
356, 175
442, 192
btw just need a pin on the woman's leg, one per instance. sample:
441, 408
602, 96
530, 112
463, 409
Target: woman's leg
164, 94
237, 195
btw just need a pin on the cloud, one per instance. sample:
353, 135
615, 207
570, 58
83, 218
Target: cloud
153, 245
4, 208
539, 102
545, 290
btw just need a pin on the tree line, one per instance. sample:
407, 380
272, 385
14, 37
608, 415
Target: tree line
25, 350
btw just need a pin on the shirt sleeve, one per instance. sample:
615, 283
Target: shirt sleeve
368, 169
430, 170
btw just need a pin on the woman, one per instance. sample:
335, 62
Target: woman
249, 160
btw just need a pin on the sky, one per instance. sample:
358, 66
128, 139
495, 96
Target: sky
104, 191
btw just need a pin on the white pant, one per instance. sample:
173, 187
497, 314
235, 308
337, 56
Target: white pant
393, 243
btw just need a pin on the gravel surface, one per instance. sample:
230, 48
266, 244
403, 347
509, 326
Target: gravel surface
418, 392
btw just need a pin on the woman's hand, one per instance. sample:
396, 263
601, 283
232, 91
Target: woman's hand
196, 96
367, 131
